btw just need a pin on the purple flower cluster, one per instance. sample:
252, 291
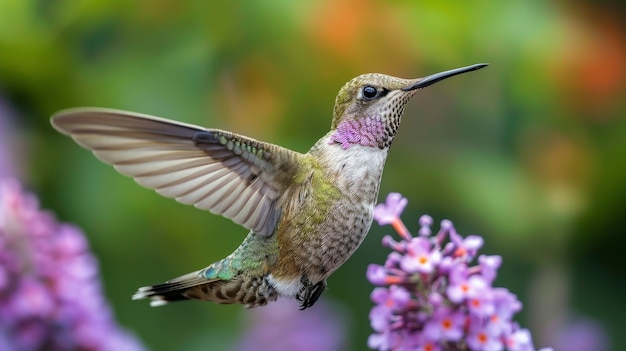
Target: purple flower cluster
431, 299
50, 294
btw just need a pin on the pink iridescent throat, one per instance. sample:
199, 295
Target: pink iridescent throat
365, 131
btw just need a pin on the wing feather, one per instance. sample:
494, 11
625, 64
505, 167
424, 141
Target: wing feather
227, 174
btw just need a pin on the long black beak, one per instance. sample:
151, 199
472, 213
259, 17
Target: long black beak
434, 78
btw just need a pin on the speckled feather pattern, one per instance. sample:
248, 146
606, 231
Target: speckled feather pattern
365, 132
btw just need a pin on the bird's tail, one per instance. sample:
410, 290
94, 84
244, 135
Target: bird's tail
205, 285
172, 290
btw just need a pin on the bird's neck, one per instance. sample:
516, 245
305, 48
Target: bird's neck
351, 167
367, 131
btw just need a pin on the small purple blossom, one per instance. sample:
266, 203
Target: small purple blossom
431, 297
464, 247
520, 340
419, 257
389, 213
489, 266
388, 301
480, 338
425, 222
445, 324
50, 295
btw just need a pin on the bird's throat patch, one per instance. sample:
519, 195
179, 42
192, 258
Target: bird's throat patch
365, 131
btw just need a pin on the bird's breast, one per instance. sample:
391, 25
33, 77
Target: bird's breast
329, 212
358, 173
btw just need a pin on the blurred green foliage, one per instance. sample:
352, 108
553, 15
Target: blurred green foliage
529, 152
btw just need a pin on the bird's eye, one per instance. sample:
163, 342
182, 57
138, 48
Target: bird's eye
369, 92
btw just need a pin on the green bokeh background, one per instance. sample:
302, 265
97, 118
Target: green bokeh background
529, 152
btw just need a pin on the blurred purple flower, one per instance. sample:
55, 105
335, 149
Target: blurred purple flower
50, 295
281, 326
444, 303
582, 335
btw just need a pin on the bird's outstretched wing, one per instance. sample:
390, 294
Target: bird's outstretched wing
227, 174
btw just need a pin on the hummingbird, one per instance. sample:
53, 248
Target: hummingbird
306, 213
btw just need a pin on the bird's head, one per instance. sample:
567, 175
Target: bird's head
373, 104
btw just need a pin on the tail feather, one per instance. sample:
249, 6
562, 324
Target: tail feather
170, 291
249, 291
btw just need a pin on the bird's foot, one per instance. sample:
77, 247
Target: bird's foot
310, 293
